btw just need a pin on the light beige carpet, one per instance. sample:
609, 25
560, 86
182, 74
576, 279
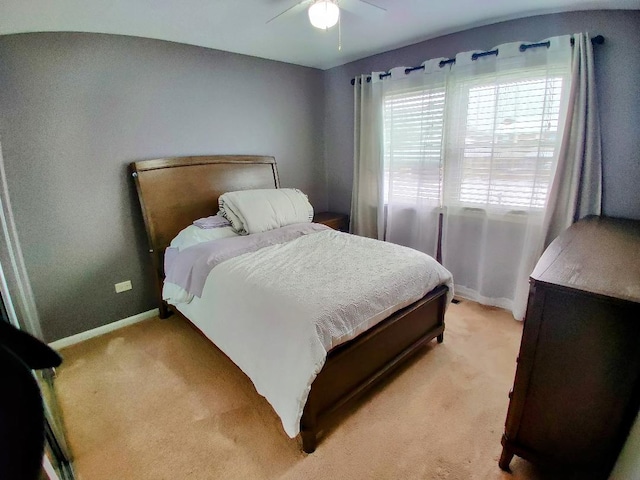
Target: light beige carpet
157, 401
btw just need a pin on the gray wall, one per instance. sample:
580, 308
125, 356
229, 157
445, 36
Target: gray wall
75, 109
618, 74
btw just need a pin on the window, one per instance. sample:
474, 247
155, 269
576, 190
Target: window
503, 147
413, 134
496, 149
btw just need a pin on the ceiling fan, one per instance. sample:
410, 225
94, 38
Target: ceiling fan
324, 14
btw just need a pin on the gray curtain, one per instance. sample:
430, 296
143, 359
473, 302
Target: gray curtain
577, 186
366, 214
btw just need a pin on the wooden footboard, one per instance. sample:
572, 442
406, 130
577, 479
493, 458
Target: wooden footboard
355, 366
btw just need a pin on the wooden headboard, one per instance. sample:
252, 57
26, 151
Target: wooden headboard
173, 192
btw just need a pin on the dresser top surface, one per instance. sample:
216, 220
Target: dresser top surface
598, 255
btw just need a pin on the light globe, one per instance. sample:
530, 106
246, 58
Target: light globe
324, 14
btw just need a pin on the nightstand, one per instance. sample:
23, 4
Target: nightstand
337, 221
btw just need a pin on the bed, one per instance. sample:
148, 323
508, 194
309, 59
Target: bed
173, 192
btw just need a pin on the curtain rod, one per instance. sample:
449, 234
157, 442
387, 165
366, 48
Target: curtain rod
597, 40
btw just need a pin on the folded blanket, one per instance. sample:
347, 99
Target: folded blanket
255, 211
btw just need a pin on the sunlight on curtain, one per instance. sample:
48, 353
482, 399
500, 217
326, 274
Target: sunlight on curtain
481, 142
504, 129
413, 115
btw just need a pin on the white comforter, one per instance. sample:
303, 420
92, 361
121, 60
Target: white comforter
277, 312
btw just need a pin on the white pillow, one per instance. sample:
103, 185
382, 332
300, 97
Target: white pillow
193, 235
255, 211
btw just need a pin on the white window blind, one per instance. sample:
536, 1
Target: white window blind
413, 134
501, 141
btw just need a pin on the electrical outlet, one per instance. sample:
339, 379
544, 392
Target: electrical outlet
123, 286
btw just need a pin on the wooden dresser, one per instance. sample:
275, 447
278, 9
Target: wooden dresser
577, 384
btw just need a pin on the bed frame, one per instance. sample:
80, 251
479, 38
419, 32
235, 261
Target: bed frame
175, 191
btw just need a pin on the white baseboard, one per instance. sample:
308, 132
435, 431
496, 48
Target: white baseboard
110, 327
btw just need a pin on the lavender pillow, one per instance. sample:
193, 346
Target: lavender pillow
214, 221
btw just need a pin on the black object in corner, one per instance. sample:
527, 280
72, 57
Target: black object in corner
22, 422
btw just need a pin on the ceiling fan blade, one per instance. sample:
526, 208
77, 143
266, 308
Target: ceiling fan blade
361, 7
374, 5
297, 5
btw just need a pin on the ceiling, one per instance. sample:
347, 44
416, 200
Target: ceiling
241, 26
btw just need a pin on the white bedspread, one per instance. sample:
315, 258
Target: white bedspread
277, 312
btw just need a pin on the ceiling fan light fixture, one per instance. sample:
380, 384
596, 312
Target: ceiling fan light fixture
324, 14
